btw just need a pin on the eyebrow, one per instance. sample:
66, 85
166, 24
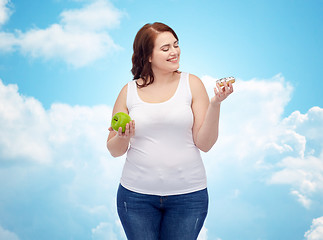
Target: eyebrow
167, 45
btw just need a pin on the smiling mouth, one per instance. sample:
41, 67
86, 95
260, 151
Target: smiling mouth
173, 59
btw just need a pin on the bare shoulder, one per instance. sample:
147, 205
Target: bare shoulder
196, 85
121, 102
194, 78
124, 91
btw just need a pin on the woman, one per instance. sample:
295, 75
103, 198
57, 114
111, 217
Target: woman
163, 191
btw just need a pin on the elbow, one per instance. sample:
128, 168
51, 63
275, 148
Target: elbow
205, 147
115, 154
112, 151
205, 150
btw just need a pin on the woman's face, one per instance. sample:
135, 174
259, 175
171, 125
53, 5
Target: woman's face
166, 53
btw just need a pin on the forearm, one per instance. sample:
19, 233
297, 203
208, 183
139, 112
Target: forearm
209, 131
117, 146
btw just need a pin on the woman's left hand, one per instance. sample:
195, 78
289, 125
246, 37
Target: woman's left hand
221, 93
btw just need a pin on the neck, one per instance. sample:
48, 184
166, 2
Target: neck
163, 77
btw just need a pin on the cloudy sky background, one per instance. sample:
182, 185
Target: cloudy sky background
62, 65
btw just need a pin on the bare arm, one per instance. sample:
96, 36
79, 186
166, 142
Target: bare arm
118, 142
206, 113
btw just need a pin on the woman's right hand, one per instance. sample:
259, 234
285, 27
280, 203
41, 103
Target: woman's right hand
129, 131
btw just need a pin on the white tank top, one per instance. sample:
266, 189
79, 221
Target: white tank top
162, 158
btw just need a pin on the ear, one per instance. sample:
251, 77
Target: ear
149, 59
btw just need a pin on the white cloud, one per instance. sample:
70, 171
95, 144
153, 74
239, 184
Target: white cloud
8, 42
203, 234
7, 235
31, 133
254, 138
60, 154
24, 127
253, 135
304, 175
250, 116
304, 169
316, 231
5, 11
104, 231
80, 37
302, 199
99, 15
308, 124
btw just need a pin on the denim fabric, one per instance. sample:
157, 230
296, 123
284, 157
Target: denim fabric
151, 217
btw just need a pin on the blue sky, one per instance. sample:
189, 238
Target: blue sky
62, 65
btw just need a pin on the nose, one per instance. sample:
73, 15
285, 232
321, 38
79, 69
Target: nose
173, 51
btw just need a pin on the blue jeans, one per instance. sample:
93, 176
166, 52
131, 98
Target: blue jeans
151, 217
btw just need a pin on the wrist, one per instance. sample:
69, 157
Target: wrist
215, 104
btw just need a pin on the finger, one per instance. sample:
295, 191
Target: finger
226, 87
110, 129
132, 127
230, 87
216, 93
126, 133
217, 89
120, 131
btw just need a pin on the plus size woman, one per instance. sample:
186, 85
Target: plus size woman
163, 188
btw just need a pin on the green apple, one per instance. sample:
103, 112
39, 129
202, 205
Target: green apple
120, 119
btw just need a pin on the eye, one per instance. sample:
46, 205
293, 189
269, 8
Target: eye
165, 49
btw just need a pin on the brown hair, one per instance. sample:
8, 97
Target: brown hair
143, 46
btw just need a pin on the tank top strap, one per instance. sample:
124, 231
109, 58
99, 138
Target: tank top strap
184, 87
132, 94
